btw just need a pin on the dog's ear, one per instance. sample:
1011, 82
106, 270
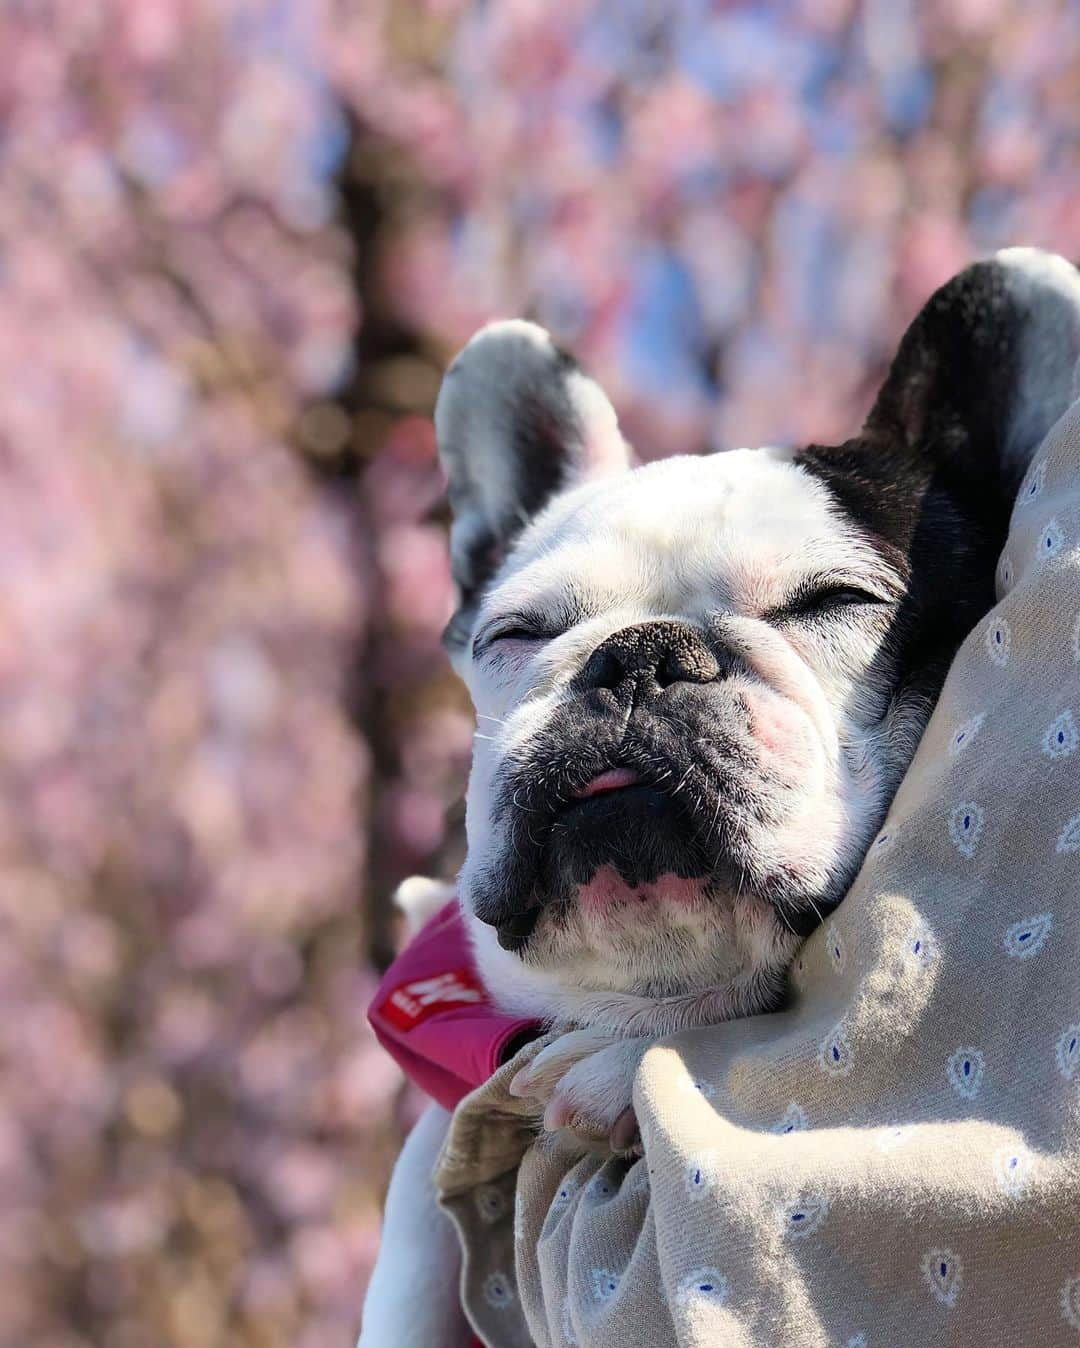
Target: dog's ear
981, 375
986, 368
517, 421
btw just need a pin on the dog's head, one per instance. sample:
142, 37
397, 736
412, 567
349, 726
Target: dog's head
698, 682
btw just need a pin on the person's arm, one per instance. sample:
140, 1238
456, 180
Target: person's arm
413, 1300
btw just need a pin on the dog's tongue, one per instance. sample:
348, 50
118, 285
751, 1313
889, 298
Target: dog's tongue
611, 780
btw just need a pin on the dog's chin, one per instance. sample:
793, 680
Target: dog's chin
652, 955
617, 859
608, 897
635, 894
622, 859
621, 843
629, 860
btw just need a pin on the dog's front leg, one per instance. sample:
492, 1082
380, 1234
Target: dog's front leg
584, 1082
413, 1298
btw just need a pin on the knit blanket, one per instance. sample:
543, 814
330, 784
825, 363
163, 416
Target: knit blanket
894, 1160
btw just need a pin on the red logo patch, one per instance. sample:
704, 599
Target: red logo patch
410, 1004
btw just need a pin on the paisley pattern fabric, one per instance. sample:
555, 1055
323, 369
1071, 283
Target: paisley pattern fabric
894, 1160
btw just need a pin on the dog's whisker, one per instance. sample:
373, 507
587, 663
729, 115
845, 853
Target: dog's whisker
517, 801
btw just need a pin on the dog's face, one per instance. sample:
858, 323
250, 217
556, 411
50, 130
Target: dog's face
682, 696
699, 682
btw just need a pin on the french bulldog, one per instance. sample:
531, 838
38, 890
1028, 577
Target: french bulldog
698, 683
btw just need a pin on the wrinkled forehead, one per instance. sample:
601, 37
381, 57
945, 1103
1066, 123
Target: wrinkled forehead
744, 525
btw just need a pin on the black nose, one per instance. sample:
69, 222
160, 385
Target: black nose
654, 654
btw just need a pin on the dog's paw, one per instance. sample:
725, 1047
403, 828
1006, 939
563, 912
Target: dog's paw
585, 1082
419, 898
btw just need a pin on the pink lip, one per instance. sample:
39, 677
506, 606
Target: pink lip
612, 780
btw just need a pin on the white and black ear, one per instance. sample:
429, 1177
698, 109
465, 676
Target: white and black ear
517, 421
986, 368
983, 372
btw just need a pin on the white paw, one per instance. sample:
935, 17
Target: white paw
585, 1081
420, 898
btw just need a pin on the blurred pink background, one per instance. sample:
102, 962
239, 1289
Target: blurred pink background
238, 241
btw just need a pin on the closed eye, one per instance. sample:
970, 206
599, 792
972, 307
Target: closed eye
517, 634
509, 631
815, 599
839, 596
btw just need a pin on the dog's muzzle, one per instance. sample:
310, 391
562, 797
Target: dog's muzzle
618, 780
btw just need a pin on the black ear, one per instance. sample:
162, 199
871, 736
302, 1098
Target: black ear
981, 375
517, 421
986, 368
